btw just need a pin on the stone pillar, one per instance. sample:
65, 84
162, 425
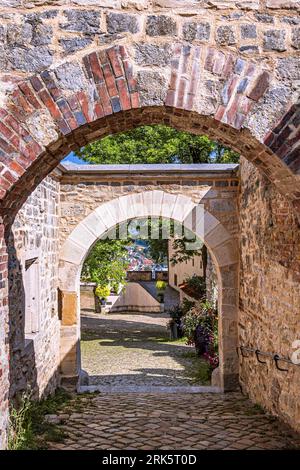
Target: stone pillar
211, 281
70, 336
228, 328
4, 345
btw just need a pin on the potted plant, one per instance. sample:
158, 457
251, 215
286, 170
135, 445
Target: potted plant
160, 288
102, 292
195, 287
175, 322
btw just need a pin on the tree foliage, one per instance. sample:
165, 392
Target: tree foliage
156, 144
106, 263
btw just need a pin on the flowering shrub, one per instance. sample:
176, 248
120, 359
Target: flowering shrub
102, 292
200, 325
176, 313
197, 285
161, 286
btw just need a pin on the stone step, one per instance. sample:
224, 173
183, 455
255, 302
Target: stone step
147, 389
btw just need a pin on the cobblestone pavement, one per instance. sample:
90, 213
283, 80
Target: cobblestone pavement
135, 350
170, 422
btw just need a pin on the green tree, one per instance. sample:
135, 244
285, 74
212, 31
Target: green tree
106, 263
156, 144
146, 144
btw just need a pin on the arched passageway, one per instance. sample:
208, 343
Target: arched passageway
199, 82
154, 203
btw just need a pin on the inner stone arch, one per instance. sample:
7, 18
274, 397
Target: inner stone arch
178, 207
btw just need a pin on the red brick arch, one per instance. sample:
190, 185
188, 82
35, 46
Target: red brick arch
43, 120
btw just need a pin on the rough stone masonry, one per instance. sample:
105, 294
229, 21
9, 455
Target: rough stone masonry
74, 71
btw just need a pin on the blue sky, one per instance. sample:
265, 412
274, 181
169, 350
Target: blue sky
73, 159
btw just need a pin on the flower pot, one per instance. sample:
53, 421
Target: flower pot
173, 331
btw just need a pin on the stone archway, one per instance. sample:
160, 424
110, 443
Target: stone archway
107, 91
231, 75
150, 203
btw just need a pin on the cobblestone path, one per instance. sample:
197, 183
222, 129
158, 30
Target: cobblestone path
170, 422
135, 350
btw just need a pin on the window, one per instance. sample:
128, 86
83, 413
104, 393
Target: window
193, 262
175, 279
32, 291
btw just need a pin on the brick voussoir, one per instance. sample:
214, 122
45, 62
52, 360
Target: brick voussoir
10, 176
67, 113
123, 93
51, 86
63, 127
180, 98
20, 137
87, 67
50, 104
131, 81
95, 67
6, 147
289, 115
20, 102
135, 100
110, 80
4, 184
29, 94
16, 167
104, 99
260, 86
116, 63
84, 105
36, 83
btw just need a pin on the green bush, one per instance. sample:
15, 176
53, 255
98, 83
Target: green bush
186, 305
161, 286
197, 284
102, 292
28, 429
19, 425
200, 326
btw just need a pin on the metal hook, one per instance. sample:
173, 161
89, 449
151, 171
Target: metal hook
257, 352
242, 351
276, 358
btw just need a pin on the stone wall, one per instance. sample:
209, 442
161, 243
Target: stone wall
269, 317
269, 275
68, 66
75, 70
33, 39
87, 296
135, 298
179, 272
34, 357
218, 194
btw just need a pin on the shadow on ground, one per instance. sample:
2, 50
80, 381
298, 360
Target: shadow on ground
134, 349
